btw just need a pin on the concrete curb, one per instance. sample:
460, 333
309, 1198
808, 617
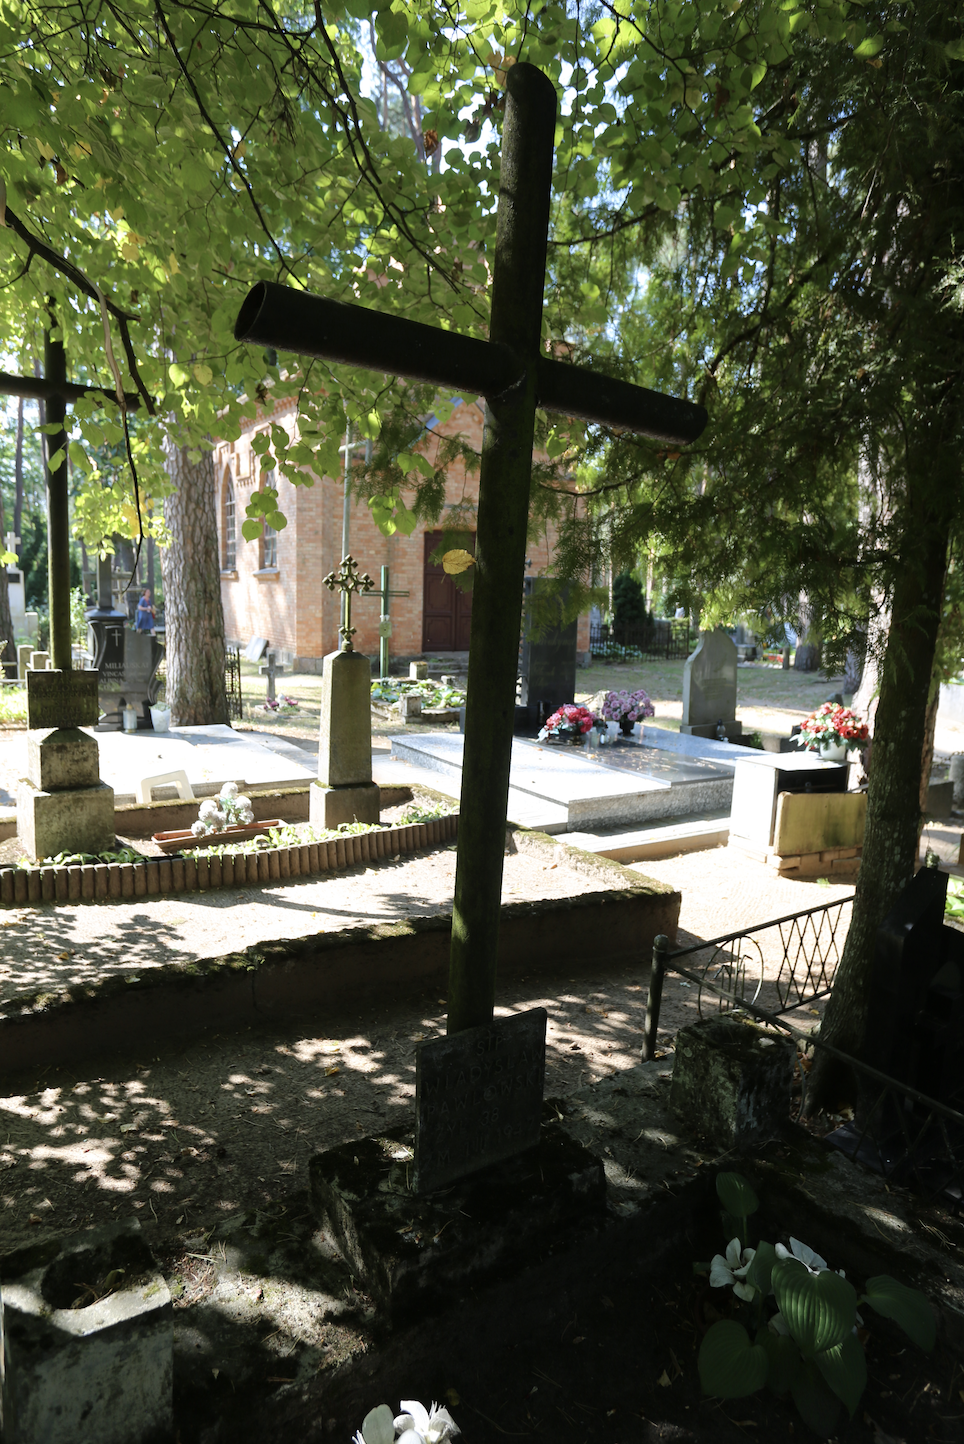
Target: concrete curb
158, 877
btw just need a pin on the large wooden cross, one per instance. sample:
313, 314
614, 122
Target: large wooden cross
513, 375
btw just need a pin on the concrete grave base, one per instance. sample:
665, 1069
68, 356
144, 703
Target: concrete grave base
75, 819
62, 757
331, 806
81, 1367
409, 1250
732, 1082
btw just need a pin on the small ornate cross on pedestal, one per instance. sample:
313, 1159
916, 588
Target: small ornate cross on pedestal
347, 580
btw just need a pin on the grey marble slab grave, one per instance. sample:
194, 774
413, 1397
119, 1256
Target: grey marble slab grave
593, 788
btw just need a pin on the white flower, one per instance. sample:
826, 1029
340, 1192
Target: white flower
230, 789
810, 1260
733, 1269
242, 803
377, 1427
416, 1425
208, 808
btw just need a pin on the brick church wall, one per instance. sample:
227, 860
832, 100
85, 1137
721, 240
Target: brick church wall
288, 603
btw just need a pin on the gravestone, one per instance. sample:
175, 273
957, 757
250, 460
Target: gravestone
478, 1098
345, 791
547, 662
255, 649
709, 687
271, 669
125, 661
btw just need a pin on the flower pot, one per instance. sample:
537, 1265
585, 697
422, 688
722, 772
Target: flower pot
832, 752
183, 838
626, 727
161, 719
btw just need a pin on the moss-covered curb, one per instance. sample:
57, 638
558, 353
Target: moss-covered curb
160, 876
271, 981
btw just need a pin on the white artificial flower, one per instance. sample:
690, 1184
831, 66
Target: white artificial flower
230, 789
810, 1260
416, 1425
208, 808
733, 1269
377, 1427
242, 803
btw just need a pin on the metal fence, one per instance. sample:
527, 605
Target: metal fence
898, 1131
232, 683
660, 640
803, 949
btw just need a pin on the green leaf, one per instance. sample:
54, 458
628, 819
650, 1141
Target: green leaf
954, 50
736, 1194
844, 1368
819, 1308
56, 461
784, 1359
868, 48
817, 1403
907, 1307
729, 1365
276, 520
250, 529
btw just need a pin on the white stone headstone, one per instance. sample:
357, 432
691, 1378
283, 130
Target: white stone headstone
255, 649
709, 681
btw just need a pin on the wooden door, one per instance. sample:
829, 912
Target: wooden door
446, 611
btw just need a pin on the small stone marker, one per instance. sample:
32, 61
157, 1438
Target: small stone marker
709, 686
24, 653
39, 661
345, 791
478, 1098
418, 671
61, 699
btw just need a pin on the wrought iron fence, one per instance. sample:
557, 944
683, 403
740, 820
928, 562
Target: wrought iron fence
898, 1131
658, 639
731, 970
232, 683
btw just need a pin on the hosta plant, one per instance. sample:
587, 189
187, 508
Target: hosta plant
798, 1333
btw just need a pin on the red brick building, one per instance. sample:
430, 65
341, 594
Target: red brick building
273, 587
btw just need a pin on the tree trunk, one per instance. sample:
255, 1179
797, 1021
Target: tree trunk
194, 617
892, 832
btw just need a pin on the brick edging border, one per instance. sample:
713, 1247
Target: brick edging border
159, 876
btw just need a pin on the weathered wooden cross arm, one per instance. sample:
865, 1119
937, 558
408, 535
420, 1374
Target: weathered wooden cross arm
515, 378
289, 320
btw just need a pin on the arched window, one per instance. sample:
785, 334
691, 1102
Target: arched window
269, 540
229, 548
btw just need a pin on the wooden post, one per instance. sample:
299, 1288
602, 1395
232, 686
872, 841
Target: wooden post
500, 544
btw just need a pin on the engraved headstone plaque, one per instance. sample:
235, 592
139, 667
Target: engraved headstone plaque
478, 1098
61, 699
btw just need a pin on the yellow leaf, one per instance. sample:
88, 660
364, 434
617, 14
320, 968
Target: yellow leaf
330, 1072
457, 561
172, 265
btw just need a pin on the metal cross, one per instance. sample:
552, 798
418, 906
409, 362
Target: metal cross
347, 580
515, 376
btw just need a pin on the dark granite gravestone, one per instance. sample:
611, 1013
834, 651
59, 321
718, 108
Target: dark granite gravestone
126, 663
478, 1098
547, 664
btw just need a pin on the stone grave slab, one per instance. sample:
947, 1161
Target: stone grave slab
478, 1098
569, 789
210, 755
255, 649
411, 1250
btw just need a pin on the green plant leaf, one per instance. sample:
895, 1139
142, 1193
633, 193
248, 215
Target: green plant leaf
907, 1307
784, 1359
868, 48
819, 1308
818, 1405
736, 1194
761, 1267
729, 1365
844, 1368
